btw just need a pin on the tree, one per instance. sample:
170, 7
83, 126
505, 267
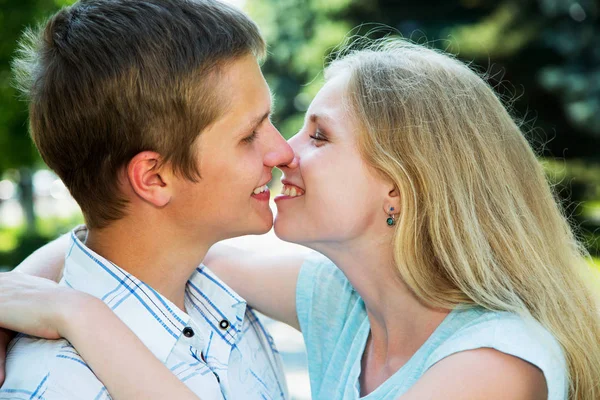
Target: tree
19, 152
15, 16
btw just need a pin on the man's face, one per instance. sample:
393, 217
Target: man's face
236, 157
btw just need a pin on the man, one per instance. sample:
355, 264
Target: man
155, 115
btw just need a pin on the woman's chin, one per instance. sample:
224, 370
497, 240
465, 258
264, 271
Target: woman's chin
285, 230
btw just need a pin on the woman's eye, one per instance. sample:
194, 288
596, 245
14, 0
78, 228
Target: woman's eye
318, 136
250, 138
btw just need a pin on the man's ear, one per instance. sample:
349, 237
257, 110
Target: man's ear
149, 178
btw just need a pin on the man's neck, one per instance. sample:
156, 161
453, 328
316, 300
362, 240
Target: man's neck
159, 257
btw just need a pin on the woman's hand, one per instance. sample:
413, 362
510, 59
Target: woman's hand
35, 306
46, 262
32, 305
40, 307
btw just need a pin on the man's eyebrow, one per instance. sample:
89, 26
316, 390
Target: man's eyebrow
260, 119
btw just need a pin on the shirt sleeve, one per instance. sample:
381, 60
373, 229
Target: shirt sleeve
516, 336
50, 370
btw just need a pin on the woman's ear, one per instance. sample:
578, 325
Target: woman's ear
391, 205
150, 178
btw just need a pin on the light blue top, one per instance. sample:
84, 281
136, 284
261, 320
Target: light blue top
335, 328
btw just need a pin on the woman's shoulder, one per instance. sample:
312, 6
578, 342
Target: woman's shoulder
509, 333
507, 329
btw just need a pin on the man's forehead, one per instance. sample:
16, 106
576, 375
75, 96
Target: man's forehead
261, 115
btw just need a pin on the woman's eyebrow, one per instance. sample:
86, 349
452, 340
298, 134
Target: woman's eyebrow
314, 117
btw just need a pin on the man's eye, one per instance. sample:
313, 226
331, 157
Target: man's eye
250, 138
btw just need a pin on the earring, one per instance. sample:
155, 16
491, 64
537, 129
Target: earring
391, 221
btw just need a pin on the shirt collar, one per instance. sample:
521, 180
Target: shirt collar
151, 316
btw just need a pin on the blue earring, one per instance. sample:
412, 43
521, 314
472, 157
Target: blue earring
391, 221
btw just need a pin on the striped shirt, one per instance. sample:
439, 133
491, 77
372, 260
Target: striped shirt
218, 348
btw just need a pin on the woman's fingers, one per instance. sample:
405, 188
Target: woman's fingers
31, 304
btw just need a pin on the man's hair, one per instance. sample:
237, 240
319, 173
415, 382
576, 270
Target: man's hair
107, 79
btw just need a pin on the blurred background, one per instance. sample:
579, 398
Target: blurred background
542, 57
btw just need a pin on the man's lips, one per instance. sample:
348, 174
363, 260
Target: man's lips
262, 195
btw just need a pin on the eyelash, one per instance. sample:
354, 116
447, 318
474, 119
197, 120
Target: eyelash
318, 136
250, 138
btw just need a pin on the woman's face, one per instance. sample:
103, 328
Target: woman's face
330, 195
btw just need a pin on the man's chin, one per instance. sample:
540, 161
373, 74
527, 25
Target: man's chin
262, 227
261, 231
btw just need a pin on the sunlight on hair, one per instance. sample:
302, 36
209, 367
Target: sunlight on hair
236, 3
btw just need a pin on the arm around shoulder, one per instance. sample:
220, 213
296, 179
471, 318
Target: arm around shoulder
118, 357
47, 261
267, 282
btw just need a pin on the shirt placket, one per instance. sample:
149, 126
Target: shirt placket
217, 314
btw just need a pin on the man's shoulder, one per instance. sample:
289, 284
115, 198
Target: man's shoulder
36, 366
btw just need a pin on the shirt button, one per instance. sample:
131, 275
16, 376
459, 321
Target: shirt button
188, 332
224, 324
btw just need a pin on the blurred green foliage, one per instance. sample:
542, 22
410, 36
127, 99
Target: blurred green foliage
16, 243
14, 17
542, 56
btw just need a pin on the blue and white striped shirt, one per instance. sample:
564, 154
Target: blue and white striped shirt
219, 348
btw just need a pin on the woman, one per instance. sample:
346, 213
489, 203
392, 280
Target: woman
452, 269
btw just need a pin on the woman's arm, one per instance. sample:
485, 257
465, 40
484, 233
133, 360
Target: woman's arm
267, 282
126, 367
40, 307
48, 261
258, 277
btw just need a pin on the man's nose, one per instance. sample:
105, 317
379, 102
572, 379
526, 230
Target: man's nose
280, 152
293, 142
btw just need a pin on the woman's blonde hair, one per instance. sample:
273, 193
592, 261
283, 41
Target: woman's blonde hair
478, 223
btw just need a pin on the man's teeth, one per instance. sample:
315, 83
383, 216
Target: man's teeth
261, 189
291, 191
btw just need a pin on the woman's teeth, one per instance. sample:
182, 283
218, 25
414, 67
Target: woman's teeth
291, 191
261, 189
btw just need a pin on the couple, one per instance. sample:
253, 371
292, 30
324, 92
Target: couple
450, 269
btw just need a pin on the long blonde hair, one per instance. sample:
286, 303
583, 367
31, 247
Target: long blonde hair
479, 223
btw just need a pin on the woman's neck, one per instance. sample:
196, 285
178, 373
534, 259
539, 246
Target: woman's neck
400, 323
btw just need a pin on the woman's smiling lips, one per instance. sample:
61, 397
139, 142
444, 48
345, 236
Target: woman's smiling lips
289, 191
